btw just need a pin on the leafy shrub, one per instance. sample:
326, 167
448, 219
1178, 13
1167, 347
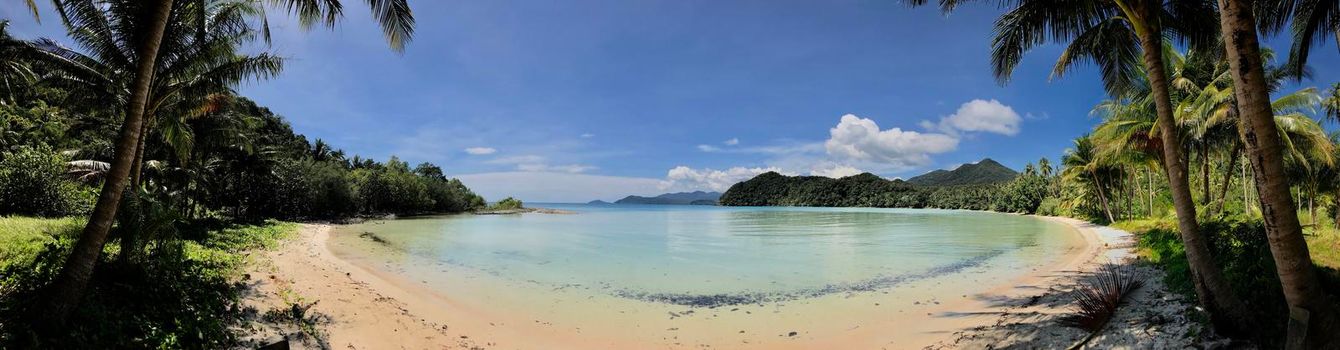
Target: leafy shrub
507, 204
1238, 246
183, 296
31, 183
1051, 206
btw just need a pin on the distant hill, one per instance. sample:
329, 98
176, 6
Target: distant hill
986, 171
986, 185
862, 190
598, 202
696, 197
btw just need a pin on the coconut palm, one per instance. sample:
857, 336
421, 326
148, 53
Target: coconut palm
199, 63
1210, 111
1115, 34
1302, 289
200, 60
1128, 134
15, 74
1311, 21
148, 21
1331, 104
1082, 165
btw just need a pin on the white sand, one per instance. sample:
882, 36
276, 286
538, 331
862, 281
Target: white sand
362, 307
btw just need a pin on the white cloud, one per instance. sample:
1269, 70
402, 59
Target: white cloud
479, 151
709, 148
979, 115
683, 178
529, 158
558, 186
541, 167
860, 139
836, 171
535, 163
733, 141
588, 135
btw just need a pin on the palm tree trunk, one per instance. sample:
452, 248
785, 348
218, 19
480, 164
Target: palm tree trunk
1205, 175
1098, 183
1311, 209
1246, 200
1228, 177
69, 287
1226, 310
1149, 178
1293, 262
137, 169
130, 236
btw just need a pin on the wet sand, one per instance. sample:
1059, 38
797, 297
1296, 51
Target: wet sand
375, 303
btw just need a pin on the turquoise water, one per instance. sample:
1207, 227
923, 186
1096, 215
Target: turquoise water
711, 256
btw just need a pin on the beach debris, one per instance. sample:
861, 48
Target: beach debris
792, 334
1097, 299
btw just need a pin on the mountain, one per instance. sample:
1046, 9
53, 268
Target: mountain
598, 202
986, 171
696, 197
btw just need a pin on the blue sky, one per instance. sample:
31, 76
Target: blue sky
597, 99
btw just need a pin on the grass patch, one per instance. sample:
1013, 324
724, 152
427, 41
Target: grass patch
21, 238
183, 295
1325, 248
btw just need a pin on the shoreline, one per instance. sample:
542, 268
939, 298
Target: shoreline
366, 305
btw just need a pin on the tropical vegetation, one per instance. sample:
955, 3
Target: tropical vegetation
1206, 224
135, 133
137, 136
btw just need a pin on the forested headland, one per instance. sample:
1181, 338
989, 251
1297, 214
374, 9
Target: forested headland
999, 189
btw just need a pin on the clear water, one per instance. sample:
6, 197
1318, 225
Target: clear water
707, 256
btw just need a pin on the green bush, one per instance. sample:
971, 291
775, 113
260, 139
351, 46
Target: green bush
183, 296
1051, 206
507, 204
32, 183
1239, 247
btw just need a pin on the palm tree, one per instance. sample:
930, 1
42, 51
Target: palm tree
14, 73
148, 19
1312, 22
200, 59
1130, 133
198, 64
1112, 34
1302, 289
1210, 111
1082, 165
1331, 104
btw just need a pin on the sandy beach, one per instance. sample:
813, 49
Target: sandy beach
357, 304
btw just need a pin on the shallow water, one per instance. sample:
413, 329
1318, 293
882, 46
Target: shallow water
711, 256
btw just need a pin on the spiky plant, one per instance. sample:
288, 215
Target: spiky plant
1098, 297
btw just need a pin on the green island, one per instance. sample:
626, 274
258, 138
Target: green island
144, 200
